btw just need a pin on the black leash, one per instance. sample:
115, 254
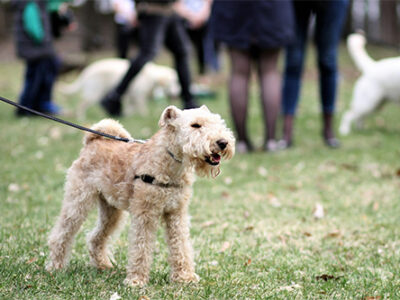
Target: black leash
70, 123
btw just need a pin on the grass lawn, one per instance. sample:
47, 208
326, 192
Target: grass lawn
253, 229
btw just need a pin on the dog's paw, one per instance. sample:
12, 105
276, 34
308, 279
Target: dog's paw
344, 130
53, 266
135, 281
105, 266
185, 277
101, 264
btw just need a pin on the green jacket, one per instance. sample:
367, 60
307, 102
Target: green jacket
32, 29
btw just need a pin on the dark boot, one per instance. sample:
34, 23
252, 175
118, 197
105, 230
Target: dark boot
23, 113
190, 104
111, 103
328, 134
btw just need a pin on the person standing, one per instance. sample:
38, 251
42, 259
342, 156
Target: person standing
254, 31
159, 23
34, 44
329, 19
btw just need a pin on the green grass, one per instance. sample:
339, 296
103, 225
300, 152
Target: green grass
253, 229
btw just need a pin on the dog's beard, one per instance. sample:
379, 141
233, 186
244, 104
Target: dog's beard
206, 160
205, 169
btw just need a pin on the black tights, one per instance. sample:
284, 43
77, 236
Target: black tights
270, 83
154, 30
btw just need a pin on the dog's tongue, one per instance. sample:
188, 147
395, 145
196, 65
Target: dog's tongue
216, 157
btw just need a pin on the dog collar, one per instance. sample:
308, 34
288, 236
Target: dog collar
173, 156
151, 180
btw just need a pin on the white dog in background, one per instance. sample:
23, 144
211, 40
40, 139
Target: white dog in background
101, 76
380, 81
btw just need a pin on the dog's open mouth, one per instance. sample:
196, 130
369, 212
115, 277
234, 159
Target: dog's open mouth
213, 159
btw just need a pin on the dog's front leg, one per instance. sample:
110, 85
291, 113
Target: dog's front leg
142, 236
181, 251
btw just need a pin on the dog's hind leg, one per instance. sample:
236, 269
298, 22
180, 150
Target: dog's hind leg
129, 105
90, 95
81, 111
136, 104
345, 124
366, 98
76, 206
141, 104
108, 222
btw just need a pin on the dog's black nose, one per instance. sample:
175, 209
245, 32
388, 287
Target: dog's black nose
222, 144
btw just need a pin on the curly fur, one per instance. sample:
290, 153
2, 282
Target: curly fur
188, 142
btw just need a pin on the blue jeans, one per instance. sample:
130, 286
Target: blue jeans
329, 17
40, 76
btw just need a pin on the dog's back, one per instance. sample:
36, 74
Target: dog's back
108, 126
99, 73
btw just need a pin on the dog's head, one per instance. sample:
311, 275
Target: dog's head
200, 137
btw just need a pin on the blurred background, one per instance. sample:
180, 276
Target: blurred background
379, 19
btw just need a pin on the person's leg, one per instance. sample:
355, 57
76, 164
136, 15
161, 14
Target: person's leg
270, 84
294, 62
177, 42
238, 94
49, 70
197, 38
202, 31
122, 35
330, 17
30, 90
151, 35
211, 47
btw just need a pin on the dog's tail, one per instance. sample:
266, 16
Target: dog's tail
356, 46
108, 126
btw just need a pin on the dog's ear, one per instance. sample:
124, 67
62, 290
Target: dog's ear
169, 115
205, 108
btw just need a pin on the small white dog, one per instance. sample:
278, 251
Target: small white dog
101, 76
380, 81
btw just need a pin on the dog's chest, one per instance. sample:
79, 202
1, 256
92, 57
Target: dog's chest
173, 199
167, 199
170, 199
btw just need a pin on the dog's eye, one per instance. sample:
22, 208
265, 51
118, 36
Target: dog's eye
195, 125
